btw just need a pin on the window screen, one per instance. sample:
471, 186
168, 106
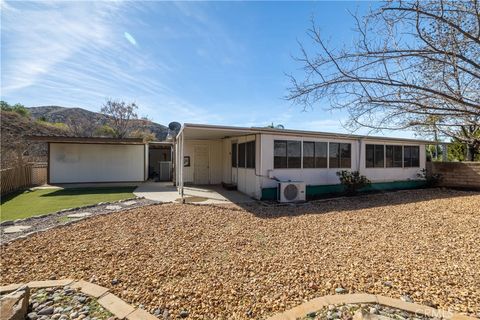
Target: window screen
375, 156
287, 154
241, 155
234, 155
251, 154
393, 156
411, 156
294, 154
340, 155
279, 154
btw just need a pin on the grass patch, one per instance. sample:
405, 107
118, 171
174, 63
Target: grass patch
30, 203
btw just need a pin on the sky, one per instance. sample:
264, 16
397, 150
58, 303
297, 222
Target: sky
193, 62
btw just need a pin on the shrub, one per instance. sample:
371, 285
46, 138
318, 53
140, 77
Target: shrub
353, 181
431, 179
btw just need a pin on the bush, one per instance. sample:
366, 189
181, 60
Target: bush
353, 181
18, 108
431, 179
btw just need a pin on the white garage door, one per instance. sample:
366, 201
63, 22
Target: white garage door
76, 163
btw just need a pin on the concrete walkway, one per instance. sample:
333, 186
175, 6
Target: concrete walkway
212, 194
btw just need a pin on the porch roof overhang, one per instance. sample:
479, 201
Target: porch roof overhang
209, 132
86, 140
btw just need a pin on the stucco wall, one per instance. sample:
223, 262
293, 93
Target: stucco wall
457, 174
77, 163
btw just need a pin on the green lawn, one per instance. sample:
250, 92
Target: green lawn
30, 203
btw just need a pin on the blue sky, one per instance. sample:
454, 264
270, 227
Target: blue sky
202, 62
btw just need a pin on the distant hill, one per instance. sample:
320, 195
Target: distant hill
14, 128
62, 115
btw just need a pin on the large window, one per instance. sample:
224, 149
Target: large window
393, 156
374, 156
251, 154
411, 156
340, 155
314, 154
241, 155
234, 155
287, 154
246, 154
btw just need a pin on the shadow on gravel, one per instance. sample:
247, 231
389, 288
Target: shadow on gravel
269, 210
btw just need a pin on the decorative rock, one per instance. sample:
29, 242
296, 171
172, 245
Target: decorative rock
388, 284
114, 207
79, 215
15, 304
166, 315
129, 203
183, 314
32, 316
406, 298
374, 310
157, 312
15, 229
340, 290
115, 282
46, 311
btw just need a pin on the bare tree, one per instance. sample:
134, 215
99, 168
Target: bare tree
412, 61
119, 116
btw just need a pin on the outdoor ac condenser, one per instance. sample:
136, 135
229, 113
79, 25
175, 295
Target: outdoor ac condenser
292, 191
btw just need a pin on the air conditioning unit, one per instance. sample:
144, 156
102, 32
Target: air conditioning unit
291, 191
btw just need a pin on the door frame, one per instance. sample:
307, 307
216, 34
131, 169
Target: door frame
195, 162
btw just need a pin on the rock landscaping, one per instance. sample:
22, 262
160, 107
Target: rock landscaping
362, 312
63, 304
11, 230
230, 262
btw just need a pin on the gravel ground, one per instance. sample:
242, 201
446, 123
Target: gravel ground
362, 311
251, 262
51, 220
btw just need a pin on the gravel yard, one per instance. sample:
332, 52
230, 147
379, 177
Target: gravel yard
251, 262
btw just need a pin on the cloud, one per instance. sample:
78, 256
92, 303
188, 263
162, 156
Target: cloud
130, 38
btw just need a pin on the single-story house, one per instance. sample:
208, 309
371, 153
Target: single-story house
258, 162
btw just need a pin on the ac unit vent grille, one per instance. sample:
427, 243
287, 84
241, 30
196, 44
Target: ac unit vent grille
290, 192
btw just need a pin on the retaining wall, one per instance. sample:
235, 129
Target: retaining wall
457, 174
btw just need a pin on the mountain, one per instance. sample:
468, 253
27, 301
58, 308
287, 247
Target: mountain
14, 145
59, 114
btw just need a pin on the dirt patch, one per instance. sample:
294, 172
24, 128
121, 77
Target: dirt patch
231, 262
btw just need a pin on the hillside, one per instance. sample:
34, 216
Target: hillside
15, 127
64, 115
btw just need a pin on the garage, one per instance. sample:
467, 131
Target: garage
96, 160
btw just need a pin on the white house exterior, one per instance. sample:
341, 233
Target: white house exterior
256, 159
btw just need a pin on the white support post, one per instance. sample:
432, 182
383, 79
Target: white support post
182, 140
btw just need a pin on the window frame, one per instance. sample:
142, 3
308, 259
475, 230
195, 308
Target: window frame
242, 161
411, 159
234, 153
394, 154
286, 156
316, 155
248, 150
339, 155
374, 160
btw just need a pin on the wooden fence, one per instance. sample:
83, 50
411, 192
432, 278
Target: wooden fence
23, 176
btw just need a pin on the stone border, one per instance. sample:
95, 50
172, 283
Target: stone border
109, 301
318, 303
26, 220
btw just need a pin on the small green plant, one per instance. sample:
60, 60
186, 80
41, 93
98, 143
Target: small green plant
18, 108
353, 181
432, 180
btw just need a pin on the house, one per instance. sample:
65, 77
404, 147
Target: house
252, 160
255, 160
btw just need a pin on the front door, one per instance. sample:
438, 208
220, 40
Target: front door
201, 173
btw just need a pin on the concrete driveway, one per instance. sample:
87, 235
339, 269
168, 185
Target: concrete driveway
211, 194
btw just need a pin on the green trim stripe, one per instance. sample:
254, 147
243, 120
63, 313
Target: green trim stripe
335, 189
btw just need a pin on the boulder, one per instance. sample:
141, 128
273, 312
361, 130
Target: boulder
14, 306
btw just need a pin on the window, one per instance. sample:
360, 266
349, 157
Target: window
340, 155
234, 155
241, 155
314, 154
294, 154
393, 156
251, 154
286, 154
411, 156
374, 156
